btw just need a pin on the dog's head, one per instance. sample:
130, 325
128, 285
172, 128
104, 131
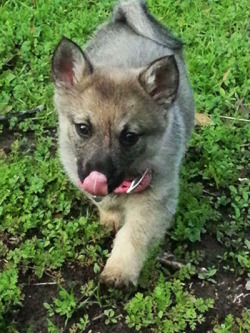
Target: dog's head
112, 120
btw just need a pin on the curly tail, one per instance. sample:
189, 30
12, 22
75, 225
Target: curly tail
135, 14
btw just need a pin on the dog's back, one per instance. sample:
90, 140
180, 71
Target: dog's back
134, 39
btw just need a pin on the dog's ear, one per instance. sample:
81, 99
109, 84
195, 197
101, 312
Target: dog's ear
69, 64
161, 80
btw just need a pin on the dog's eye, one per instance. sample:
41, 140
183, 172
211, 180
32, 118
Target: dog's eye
83, 130
128, 138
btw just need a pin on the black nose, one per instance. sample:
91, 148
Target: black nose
104, 164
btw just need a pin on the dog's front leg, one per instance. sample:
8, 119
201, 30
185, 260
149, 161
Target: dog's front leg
111, 218
145, 222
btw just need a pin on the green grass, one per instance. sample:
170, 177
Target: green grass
49, 233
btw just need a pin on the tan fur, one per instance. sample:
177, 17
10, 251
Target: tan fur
110, 218
144, 216
132, 77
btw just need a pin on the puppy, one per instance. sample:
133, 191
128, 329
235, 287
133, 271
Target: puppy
126, 113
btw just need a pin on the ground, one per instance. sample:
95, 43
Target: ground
52, 247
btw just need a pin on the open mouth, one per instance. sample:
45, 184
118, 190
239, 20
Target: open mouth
97, 185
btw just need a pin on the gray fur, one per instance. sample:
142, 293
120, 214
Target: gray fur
120, 71
136, 42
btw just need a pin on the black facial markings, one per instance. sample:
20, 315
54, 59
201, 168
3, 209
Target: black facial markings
128, 138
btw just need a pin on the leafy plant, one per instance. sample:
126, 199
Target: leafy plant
111, 317
64, 305
170, 307
208, 274
83, 323
10, 292
231, 325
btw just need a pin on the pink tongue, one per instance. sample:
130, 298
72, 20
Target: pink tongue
96, 183
125, 185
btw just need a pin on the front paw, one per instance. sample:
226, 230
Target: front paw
116, 273
111, 219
